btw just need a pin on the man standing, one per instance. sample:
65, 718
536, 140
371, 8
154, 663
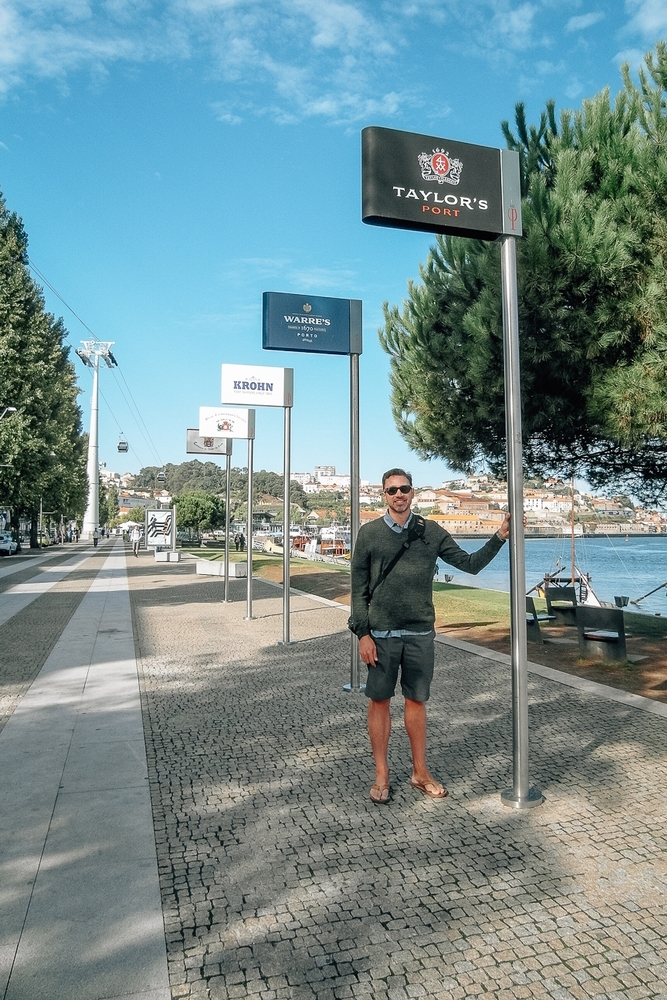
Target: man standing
393, 615
135, 538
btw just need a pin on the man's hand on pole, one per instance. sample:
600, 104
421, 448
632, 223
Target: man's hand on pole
504, 529
368, 650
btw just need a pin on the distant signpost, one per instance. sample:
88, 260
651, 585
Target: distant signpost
207, 445
319, 324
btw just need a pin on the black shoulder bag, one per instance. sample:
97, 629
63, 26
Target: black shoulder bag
415, 531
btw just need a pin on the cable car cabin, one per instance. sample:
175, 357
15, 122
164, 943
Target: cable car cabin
123, 445
161, 478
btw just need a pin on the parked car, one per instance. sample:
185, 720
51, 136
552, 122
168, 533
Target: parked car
7, 544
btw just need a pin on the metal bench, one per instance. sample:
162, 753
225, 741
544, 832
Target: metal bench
533, 620
562, 604
601, 633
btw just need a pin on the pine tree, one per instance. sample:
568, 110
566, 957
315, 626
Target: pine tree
41, 444
592, 285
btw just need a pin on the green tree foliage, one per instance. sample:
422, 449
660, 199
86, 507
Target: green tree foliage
592, 306
199, 510
210, 478
112, 506
42, 442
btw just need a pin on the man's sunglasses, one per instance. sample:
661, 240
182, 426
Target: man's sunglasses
393, 490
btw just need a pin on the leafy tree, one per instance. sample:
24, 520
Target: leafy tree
592, 306
112, 506
199, 510
209, 477
103, 510
42, 444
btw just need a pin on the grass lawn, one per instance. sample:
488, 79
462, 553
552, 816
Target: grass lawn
482, 617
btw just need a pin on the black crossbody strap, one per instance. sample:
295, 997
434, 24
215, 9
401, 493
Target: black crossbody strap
414, 532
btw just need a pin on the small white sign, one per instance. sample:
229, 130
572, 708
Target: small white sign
207, 445
220, 421
258, 385
159, 524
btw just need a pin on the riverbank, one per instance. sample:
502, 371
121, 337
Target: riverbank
481, 616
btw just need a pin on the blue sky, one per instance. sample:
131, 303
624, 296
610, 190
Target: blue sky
173, 160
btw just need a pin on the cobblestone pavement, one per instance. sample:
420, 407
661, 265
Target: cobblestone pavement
280, 879
30, 635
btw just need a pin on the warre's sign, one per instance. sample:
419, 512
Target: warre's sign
216, 422
256, 384
414, 181
312, 323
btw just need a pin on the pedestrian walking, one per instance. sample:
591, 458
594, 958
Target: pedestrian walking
96, 538
242, 541
393, 615
236, 542
135, 538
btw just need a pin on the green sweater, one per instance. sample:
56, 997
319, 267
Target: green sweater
404, 600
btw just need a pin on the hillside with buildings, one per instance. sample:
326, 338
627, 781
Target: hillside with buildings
473, 505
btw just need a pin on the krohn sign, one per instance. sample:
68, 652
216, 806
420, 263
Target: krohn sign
414, 181
257, 384
315, 324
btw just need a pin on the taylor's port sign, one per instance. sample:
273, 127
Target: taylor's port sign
423, 182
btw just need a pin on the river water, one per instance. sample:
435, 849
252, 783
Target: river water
617, 566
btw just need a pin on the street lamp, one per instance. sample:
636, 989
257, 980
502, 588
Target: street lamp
7, 409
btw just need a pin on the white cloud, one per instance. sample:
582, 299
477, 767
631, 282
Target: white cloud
635, 58
313, 278
334, 60
649, 18
342, 25
583, 21
222, 114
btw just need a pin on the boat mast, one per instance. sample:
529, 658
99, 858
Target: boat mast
572, 531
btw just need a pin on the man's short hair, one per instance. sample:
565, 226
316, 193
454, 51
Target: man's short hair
396, 472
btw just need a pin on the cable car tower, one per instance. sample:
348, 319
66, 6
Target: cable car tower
90, 353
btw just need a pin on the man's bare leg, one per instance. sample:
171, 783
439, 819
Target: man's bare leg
379, 729
415, 726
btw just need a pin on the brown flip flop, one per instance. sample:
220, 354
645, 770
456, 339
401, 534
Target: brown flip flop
382, 796
424, 786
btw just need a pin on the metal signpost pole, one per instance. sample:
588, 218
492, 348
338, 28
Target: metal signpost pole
173, 528
228, 478
248, 616
286, 524
354, 684
521, 795
488, 182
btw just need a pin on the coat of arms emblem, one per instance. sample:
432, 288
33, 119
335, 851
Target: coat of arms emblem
439, 166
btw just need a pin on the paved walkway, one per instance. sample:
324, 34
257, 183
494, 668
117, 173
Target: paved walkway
80, 905
278, 878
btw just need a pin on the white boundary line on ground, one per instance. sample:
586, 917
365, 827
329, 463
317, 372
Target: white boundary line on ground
25, 562
561, 677
18, 597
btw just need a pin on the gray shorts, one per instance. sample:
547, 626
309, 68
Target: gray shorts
414, 655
